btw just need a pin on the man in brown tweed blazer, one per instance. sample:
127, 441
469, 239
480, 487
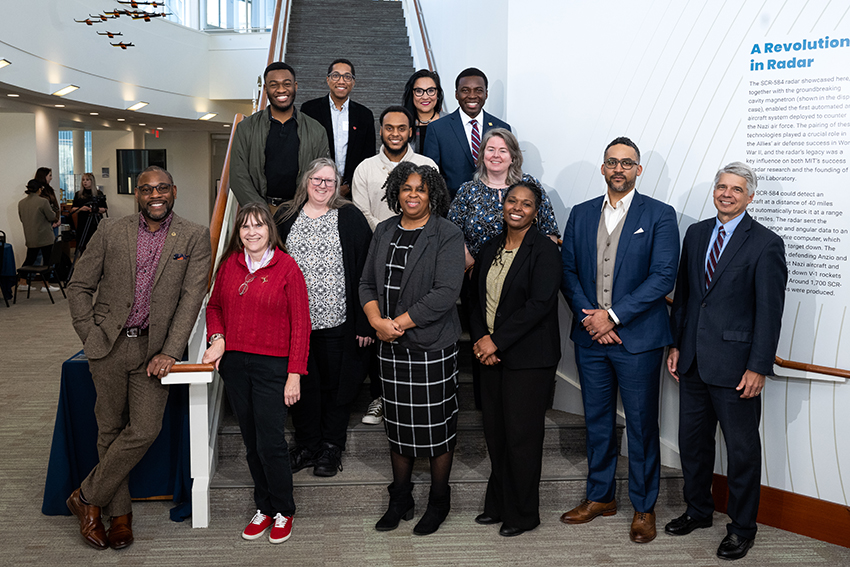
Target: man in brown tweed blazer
150, 274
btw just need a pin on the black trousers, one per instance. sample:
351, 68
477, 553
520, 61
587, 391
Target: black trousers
255, 384
32, 255
514, 404
701, 406
318, 417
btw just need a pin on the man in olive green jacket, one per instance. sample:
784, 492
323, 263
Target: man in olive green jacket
273, 147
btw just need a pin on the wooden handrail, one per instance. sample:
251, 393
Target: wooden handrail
425, 41
802, 366
217, 219
180, 367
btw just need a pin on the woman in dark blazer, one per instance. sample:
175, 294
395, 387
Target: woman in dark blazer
409, 291
514, 325
328, 237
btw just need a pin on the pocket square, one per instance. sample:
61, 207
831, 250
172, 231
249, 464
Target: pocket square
181, 256
639, 231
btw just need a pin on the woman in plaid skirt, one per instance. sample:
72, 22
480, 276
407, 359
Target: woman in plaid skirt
409, 290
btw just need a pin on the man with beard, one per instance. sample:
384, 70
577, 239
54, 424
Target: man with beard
149, 272
273, 147
367, 186
620, 254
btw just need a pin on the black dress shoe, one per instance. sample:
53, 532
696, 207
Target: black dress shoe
486, 520
734, 547
328, 461
684, 525
300, 458
508, 531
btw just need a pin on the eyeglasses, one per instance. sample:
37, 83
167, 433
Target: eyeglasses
162, 189
611, 163
348, 77
430, 91
318, 182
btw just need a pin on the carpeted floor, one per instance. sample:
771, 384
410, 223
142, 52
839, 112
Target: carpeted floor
36, 337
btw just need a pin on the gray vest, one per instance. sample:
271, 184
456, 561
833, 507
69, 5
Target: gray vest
606, 254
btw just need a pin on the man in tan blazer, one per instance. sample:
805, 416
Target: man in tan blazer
150, 273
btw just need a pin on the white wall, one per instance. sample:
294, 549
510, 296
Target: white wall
664, 73
18, 164
458, 44
104, 144
188, 157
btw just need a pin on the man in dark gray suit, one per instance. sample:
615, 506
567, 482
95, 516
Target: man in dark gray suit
726, 319
149, 272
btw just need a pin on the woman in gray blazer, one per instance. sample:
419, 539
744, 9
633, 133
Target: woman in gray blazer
409, 289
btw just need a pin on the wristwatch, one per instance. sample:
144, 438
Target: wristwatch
215, 337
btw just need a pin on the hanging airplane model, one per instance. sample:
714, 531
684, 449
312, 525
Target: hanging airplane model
136, 3
110, 35
88, 21
122, 45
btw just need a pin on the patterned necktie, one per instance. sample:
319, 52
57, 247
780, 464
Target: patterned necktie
476, 140
715, 254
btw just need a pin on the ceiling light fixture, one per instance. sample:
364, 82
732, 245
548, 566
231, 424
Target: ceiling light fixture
137, 106
120, 119
65, 90
4, 63
93, 114
208, 116
13, 95
159, 127
59, 105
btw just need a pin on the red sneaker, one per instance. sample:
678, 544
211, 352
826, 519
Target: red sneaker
281, 530
258, 526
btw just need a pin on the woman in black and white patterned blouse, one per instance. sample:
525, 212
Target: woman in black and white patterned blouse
328, 237
409, 291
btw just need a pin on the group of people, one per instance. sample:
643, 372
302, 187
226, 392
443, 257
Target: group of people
40, 215
314, 290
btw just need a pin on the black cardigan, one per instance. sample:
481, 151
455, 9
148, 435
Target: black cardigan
354, 236
526, 330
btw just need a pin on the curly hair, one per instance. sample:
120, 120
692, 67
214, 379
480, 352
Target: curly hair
438, 194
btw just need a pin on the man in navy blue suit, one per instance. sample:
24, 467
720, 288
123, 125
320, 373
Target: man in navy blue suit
726, 318
619, 255
453, 141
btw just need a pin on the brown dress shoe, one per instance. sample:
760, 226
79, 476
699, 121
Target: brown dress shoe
643, 527
91, 528
120, 532
588, 510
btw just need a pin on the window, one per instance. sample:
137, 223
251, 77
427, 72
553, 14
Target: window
68, 182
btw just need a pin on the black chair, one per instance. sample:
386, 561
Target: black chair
45, 272
2, 253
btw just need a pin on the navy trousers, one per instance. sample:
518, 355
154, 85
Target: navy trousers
603, 370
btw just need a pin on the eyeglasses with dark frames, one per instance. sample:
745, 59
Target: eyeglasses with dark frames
430, 91
611, 163
162, 189
348, 77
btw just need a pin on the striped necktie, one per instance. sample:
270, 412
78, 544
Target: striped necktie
476, 140
715, 254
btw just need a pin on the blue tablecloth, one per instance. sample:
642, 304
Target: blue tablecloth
7, 271
164, 470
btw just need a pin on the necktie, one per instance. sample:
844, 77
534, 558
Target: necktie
476, 140
715, 254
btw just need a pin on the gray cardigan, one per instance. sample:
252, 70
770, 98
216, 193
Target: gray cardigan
430, 285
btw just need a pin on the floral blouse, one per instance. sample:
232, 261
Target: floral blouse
477, 210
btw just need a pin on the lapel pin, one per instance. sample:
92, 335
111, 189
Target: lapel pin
173, 234
489, 124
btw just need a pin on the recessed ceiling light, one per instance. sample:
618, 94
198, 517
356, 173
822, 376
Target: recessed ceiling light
66, 90
159, 128
4, 63
13, 95
59, 105
142, 124
120, 120
208, 116
93, 114
227, 125
137, 106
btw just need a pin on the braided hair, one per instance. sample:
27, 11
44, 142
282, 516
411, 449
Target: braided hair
438, 194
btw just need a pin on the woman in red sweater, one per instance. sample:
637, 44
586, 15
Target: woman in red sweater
258, 327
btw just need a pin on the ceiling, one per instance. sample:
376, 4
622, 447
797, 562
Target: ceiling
79, 115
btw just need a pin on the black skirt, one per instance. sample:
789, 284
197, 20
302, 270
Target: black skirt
420, 399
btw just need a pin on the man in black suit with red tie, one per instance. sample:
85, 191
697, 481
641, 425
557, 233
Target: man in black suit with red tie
725, 320
350, 125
